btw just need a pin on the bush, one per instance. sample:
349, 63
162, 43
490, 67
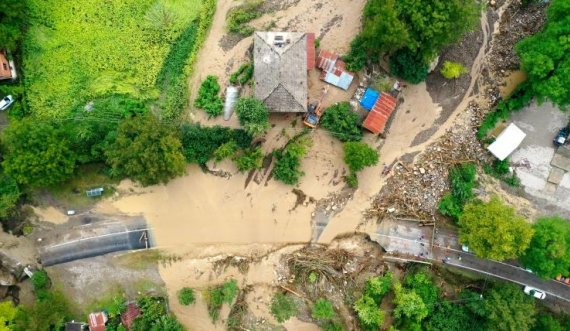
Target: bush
452, 70
323, 310
501, 170
288, 164
357, 156
40, 280
200, 143
208, 98
186, 296
369, 313
342, 123
357, 57
462, 182
250, 159
239, 16
216, 296
9, 195
242, 75
253, 116
283, 307
409, 66
377, 287
225, 150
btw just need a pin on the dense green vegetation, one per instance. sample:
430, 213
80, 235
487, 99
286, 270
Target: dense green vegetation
146, 150
367, 307
242, 75
12, 20
239, 16
9, 195
493, 230
548, 254
208, 97
283, 307
200, 143
253, 116
186, 296
216, 296
342, 123
154, 316
357, 156
501, 170
462, 182
249, 159
412, 31
288, 165
545, 57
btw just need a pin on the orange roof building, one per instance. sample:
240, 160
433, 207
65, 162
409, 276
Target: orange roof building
380, 113
5, 70
97, 321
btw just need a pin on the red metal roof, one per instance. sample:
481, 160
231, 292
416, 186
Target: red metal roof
380, 113
129, 315
311, 52
326, 60
97, 321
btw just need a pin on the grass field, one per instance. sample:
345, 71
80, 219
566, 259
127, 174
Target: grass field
79, 51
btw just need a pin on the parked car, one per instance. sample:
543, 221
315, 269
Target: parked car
534, 292
562, 136
562, 279
465, 248
6, 102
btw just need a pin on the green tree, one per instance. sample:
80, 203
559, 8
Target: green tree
287, 168
9, 195
342, 123
12, 19
186, 296
409, 305
283, 307
369, 313
493, 230
422, 284
377, 287
200, 143
462, 182
49, 313
452, 70
409, 66
451, 317
323, 310
253, 116
37, 154
507, 307
7, 314
357, 156
548, 254
250, 159
208, 98
225, 150
146, 150
545, 57
545, 322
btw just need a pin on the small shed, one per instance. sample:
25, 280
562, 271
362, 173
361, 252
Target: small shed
369, 98
380, 113
128, 317
97, 321
334, 70
506, 142
75, 326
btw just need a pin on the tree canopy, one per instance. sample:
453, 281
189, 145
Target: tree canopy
548, 254
9, 195
507, 307
409, 305
545, 57
253, 116
342, 123
146, 150
12, 18
493, 230
37, 154
420, 29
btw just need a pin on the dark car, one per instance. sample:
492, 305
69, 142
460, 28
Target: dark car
562, 136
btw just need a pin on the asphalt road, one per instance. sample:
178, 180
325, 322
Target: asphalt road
407, 239
100, 235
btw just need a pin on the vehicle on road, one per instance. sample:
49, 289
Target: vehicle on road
6, 102
534, 292
465, 248
562, 136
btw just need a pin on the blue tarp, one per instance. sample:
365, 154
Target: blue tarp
369, 98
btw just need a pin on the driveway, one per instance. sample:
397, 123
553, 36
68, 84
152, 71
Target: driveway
404, 238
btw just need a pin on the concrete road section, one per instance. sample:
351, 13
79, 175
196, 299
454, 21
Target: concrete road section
92, 235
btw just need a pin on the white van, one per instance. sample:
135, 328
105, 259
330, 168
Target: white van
534, 292
6, 102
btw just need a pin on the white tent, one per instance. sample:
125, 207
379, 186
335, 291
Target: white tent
507, 142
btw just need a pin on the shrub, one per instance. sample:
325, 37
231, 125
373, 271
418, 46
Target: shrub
243, 74
225, 150
9, 195
357, 57
377, 287
357, 156
283, 307
287, 167
250, 159
208, 98
216, 296
238, 17
253, 116
200, 143
40, 280
323, 310
409, 66
369, 313
342, 123
186, 296
501, 170
462, 182
452, 70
